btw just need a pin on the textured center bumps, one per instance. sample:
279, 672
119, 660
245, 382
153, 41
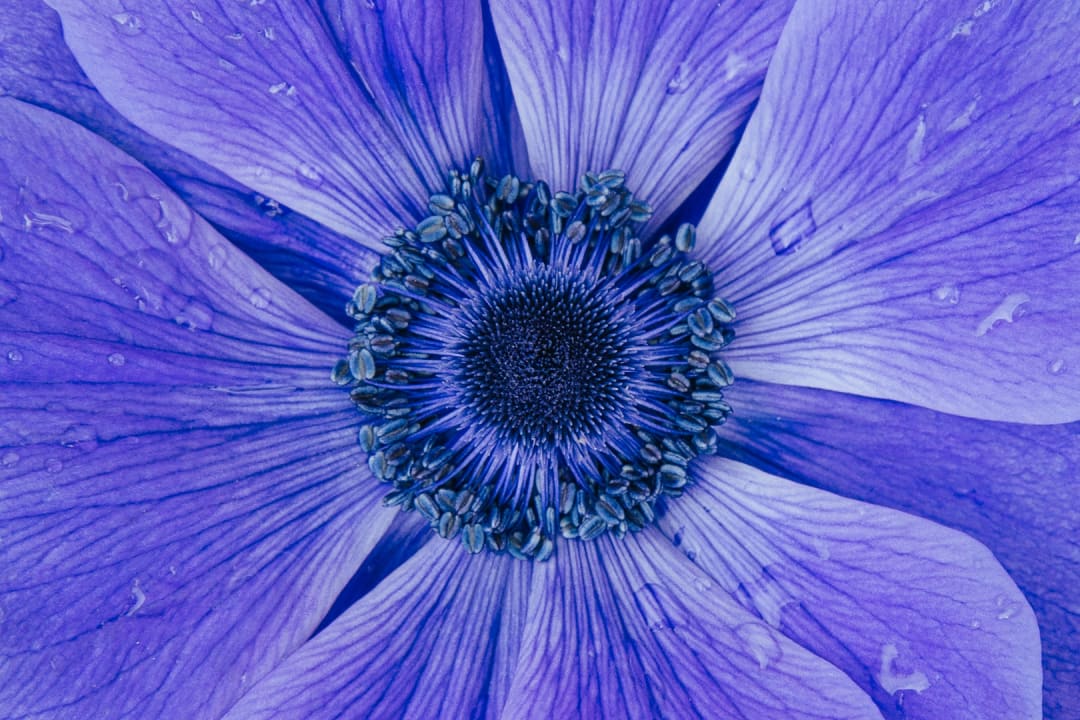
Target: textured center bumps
529, 367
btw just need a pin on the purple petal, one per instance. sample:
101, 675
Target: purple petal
657, 89
921, 617
180, 497
37, 67
631, 629
900, 218
261, 93
433, 640
1009, 486
424, 67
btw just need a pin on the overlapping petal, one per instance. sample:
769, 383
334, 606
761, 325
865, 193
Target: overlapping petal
260, 92
899, 220
1009, 486
37, 67
438, 638
631, 629
658, 89
921, 617
179, 504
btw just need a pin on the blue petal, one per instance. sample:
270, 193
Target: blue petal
921, 617
179, 496
37, 67
437, 639
658, 89
631, 629
260, 92
900, 219
1012, 487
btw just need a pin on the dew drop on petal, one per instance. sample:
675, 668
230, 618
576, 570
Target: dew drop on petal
138, 598
761, 643
790, 232
1056, 366
1006, 312
680, 81
35, 220
195, 316
10, 458
54, 465
947, 294
216, 257
309, 175
892, 680
260, 298
14, 356
116, 359
127, 23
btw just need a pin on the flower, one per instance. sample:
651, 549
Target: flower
188, 527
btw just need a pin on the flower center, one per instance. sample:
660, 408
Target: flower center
543, 359
529, 368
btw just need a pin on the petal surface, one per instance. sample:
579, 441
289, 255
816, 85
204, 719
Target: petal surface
36, 66
920, 616
434, 640
1012, 487
180, 500
260, 92
900, 219
631, 629
423, 65
658, 89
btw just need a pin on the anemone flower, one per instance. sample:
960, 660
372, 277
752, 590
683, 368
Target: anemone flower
522, 359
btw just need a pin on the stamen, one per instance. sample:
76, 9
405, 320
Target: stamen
529, 368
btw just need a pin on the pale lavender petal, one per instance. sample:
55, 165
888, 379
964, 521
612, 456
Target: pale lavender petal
180, 500
900, 221
436, 639
920, 616
37, 67
658, 89
631, 629
260, 92
1010, 486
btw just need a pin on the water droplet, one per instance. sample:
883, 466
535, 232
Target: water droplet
14, 356
790, 232
1006, 608
260, 298
217, 257
962, 28
1056, 366
1006, 312
226, 64
138, 597
269, 34
964, 118
10, 458
680, 81
195, 316
174, 220
79, 436
893, 680
309, 175
947, 294
116, 359
761, 643
196, 16
127, 23
53, 465
35, 220
915, 144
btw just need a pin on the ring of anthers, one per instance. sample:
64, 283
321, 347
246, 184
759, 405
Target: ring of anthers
528, 368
